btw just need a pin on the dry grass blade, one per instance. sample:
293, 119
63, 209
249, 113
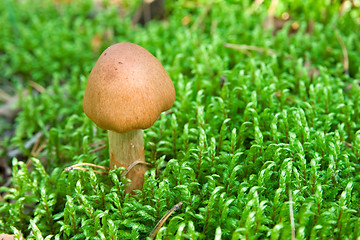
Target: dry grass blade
344, 52
37, 148
247, 48
79, 167
106, 169
133, 165
163, 220
272, 7
86, 169
200, 20
37, 87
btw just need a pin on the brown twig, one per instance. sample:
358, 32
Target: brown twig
163, 219
98, 149
96, 143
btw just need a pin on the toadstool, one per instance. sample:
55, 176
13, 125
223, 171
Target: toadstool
127, 89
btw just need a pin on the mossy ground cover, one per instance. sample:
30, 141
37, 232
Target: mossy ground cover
262, 143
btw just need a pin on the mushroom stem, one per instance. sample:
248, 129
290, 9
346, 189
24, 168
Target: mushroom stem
125, 149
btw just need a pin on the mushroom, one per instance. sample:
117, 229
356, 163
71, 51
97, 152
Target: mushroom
126, 91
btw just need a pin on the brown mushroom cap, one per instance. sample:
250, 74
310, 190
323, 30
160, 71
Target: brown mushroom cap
127, 89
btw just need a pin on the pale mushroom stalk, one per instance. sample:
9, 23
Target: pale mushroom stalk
125, 149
